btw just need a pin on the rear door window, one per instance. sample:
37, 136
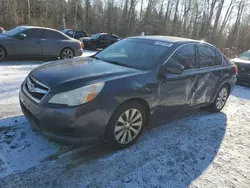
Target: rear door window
185, 56
107, 37
209, 56
52, 35
81, 34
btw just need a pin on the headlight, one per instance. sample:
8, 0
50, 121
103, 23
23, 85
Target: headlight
77, 96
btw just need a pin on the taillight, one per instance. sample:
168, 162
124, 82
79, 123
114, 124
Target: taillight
81, 45
236, 69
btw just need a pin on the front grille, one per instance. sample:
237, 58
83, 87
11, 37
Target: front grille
35, 89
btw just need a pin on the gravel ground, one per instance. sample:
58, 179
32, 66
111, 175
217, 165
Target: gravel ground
198, 149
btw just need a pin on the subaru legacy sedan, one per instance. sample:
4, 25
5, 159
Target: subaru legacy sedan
116, 93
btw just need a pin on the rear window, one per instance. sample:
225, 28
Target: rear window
136, 53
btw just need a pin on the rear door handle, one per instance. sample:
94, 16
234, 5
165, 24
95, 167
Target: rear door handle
220, 72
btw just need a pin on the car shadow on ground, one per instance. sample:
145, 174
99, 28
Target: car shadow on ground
170, 155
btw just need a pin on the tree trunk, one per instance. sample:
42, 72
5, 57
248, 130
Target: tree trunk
216, 22
28, 1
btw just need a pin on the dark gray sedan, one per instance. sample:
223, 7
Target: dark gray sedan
30, 41
116, 93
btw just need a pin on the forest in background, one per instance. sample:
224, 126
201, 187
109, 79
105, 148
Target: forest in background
224, 23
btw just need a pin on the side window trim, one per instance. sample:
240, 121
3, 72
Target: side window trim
197, 58
178, 49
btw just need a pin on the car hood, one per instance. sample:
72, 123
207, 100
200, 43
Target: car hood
238, 60
78, 72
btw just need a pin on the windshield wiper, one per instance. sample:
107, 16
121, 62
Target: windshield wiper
112, 62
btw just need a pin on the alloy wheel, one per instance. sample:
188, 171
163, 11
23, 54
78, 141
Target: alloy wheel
128, 126
67, 54
222, 98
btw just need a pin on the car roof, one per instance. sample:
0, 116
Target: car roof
37, 27
169, 39
65, 30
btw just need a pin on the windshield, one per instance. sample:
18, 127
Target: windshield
245, 55
14, 31
95, 36
135, 53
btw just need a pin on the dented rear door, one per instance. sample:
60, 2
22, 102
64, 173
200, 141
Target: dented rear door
209, 74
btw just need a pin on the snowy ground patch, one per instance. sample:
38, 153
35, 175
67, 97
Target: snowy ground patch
20, 147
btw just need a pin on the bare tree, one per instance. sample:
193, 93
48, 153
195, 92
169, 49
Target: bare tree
222, 22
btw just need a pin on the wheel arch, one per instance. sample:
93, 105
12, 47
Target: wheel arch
6, 53
143, 102
66, 48
225, 83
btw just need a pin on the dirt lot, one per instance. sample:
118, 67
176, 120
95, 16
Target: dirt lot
197, 150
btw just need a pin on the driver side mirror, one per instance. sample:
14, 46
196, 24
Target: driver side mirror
21, 36
174, 68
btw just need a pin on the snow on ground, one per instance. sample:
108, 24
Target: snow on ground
198, 149
17, 140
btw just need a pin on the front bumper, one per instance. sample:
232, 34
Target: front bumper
79, 125
79, 52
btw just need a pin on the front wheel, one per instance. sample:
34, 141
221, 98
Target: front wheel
2, 53
125, 125
66, 53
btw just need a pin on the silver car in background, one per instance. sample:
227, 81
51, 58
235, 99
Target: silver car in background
31, 41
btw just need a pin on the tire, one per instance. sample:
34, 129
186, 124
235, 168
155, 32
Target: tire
66, 53
93, 46
2, 53
119, 134
220, 100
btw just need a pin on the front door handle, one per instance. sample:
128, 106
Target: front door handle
193, 77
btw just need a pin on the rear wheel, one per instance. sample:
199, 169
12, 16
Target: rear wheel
2, 53
220, 100
67, 53
125, 125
